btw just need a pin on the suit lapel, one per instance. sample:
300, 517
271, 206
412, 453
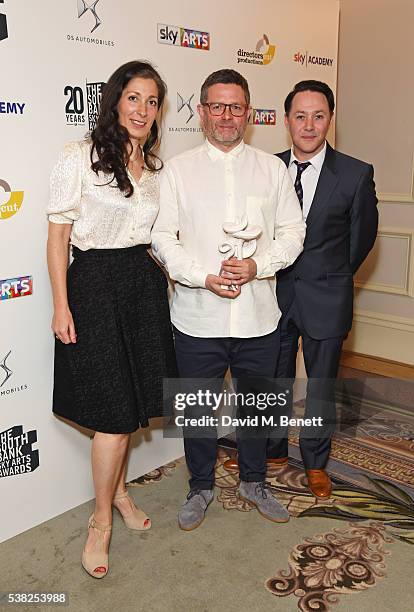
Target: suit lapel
327, 182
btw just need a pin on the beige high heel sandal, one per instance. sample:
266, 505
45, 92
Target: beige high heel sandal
136, 519
97, 559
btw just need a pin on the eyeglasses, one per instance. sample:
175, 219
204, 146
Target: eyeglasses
219, 108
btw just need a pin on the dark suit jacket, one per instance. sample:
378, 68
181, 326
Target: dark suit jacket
341, 230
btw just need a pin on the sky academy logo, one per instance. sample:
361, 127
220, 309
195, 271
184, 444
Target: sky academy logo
10, 201
182, 37
305, 58
5, 373
263, 54
16, 453
16, 287
12, 108
3, 25
262, 116
80, 107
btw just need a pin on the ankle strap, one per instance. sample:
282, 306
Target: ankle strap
99, 526
121, 495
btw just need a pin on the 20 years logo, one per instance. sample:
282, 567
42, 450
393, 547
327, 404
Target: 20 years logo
76, 110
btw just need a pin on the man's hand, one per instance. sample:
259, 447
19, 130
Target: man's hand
215, 283
240, 271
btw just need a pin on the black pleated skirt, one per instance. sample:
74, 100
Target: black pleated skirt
111, 379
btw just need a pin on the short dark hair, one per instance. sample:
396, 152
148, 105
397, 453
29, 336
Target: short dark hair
310, 85
227, 77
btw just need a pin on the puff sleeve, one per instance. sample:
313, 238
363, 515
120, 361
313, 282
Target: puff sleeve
66, 186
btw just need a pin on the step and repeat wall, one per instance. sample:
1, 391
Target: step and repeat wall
55, 58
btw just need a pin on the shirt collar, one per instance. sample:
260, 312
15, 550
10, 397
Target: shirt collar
215, 153
316, 161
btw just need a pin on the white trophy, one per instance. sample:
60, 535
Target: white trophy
243, 243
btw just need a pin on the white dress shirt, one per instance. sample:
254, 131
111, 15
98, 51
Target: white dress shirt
309, 178
102, 217
199, 191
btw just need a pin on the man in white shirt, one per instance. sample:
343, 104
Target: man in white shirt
216, 326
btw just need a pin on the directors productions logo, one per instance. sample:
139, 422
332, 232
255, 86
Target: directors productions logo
87, 13
305, 58
3, 25
75, 108
262, 56
16, 453
5, 373
16, 287
182, 37
10, 201
262, 116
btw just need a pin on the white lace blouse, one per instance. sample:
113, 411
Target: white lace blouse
102, 217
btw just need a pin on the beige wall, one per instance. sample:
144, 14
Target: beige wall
375, 122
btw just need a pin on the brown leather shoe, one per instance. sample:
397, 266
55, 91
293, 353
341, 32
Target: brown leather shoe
232, 464
319, 483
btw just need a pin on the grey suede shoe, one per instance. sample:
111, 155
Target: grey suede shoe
191, 514
258, 494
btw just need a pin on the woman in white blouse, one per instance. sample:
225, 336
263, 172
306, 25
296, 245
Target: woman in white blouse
111, 318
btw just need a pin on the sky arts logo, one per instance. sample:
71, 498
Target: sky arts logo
16, 453
10, 201
16, 287
315, 60
75, 108
182, 37
262, 116
263, 54
3, 25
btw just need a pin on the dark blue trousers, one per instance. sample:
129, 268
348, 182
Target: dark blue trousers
210, 358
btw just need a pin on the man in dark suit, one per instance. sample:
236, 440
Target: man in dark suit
315, 294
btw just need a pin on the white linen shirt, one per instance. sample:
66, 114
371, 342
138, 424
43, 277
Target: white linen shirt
200, 190
309, 178
102, 217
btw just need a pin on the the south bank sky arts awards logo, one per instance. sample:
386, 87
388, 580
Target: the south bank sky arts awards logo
261, 56
4, 33
8, 383
82, 105
305, 59
10, 200
89, 14
178, 36
17, 455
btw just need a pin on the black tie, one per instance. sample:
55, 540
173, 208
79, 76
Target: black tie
298, 185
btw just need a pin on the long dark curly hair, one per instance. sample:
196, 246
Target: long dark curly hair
110, 139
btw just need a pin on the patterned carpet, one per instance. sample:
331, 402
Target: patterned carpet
372, 469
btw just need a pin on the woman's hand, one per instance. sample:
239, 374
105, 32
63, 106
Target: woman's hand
63, 326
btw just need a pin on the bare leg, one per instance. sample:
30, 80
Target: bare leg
134, 517
108, 455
